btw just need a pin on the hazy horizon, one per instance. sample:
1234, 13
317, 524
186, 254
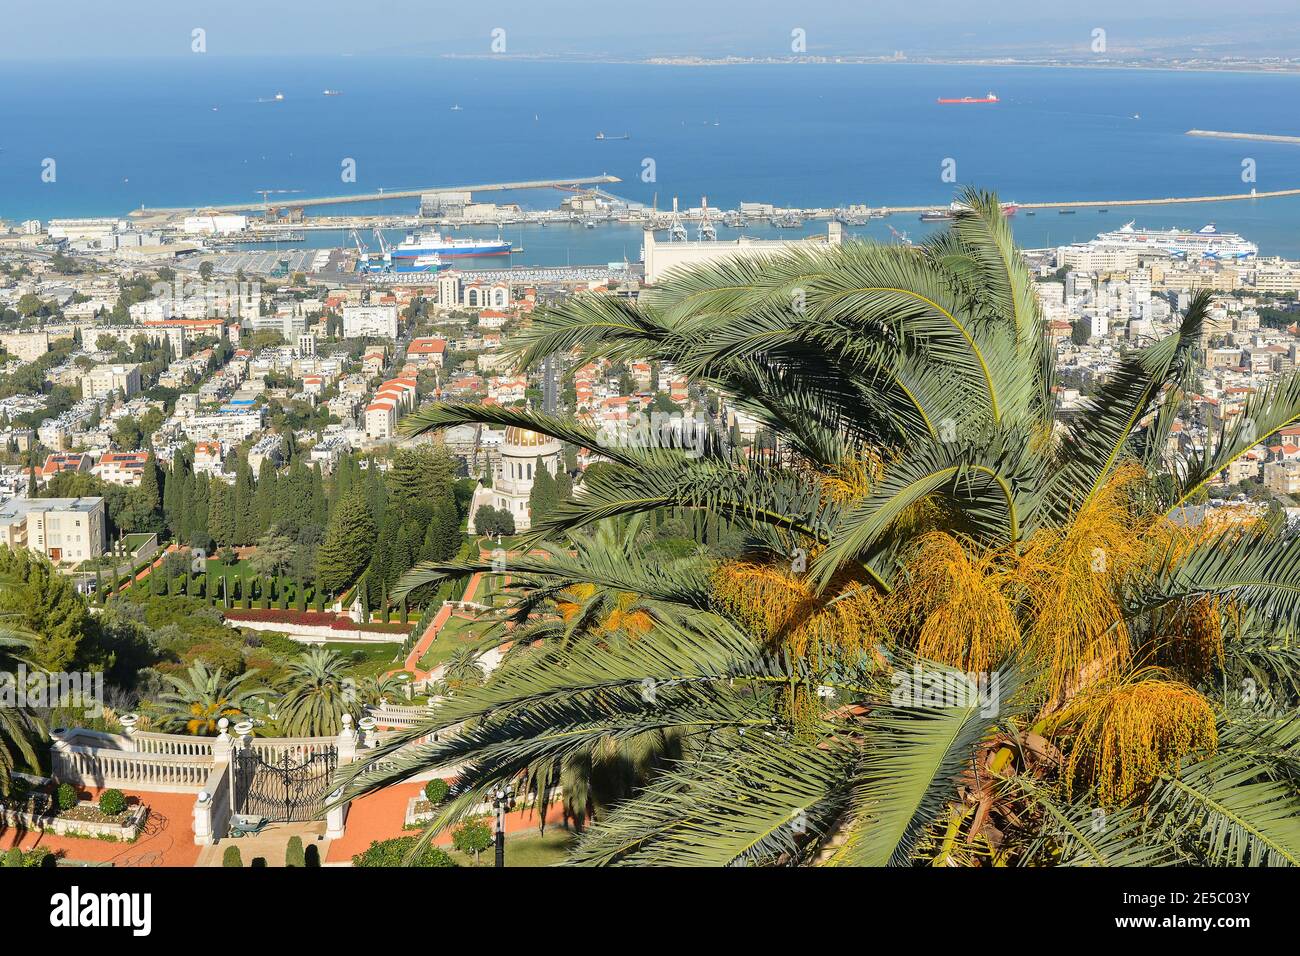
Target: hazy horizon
151, 28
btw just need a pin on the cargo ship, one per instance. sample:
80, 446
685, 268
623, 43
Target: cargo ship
989, 98
434, 244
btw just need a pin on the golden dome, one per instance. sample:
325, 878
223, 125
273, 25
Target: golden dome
523, 438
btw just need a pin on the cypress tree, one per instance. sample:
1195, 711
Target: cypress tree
348, 545
542, 499
149, 497
245, 520
264, 498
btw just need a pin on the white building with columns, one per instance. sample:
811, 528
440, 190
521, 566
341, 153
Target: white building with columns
512, 482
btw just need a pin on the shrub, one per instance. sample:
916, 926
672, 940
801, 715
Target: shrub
293, 854
258, 862
231, 858
66, 796
42, 856
435, 791
393, 853
19, 790
472, 836
112, 802
311, 858
13, 858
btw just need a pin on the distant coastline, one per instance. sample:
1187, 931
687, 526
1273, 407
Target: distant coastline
1261, 66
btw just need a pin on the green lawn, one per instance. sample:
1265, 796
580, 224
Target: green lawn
135, 541
456, 633
533, 850
368, 660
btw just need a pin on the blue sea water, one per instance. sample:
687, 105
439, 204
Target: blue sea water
202, 129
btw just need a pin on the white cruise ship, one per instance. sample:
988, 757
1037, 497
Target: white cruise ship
1206, 243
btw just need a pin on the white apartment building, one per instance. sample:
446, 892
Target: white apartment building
104, 380
381, 418
1282, 477
62, 529
228, 427
27, 346
122, 467
370, 321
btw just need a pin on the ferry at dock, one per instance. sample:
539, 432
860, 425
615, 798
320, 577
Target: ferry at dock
434, 243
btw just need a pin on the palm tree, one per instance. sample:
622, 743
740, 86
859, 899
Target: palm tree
316, 692
201, 698
379, 687
462, 670
961, 632
19, 725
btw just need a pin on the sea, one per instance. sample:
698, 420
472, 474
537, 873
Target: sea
205, 129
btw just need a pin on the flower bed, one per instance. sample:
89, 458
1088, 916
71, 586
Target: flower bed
83, 820
87, 820
289, 616
419, 811
328, 619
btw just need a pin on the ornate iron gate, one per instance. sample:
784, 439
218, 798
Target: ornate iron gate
289, 788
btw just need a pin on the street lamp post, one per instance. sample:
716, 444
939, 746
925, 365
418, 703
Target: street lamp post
503, 798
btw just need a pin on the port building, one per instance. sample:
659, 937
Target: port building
661, 258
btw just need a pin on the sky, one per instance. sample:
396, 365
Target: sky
157, 28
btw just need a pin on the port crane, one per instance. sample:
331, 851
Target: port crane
707, 232
900, 236
676, 230
371, 261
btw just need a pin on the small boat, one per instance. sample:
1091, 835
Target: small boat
457, 108
279, 97
1067, 212
602, 135
1030, 212
331, 93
